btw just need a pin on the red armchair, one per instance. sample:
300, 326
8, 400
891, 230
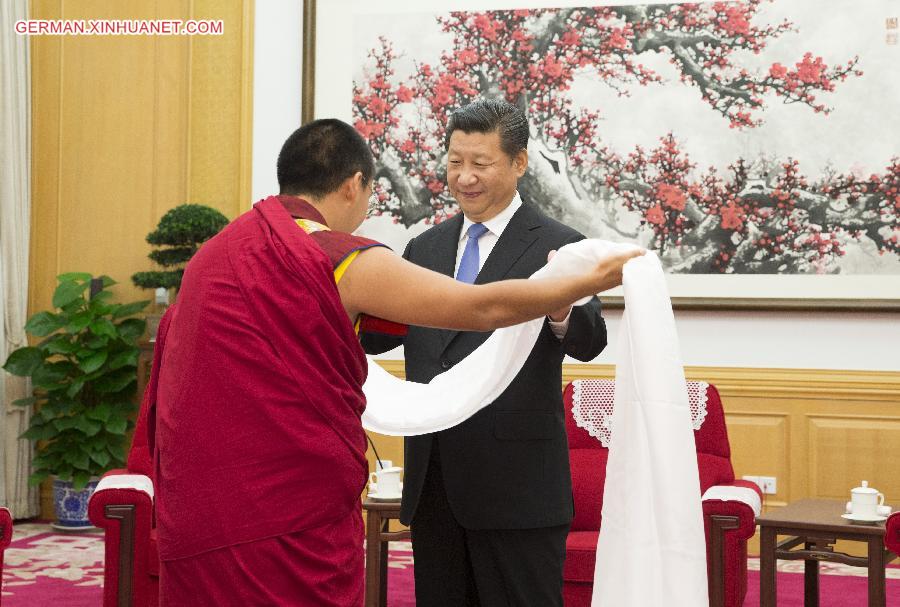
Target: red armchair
892, 533
122, 504
729, 506
5, 540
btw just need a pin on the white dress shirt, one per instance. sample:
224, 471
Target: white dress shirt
486, 243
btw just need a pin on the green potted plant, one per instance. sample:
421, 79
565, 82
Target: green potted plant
84, 374
179, 234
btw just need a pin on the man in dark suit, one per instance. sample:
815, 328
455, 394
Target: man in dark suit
489, 502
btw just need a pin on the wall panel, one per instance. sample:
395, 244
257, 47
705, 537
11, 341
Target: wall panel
760, 445
127, 127
849, 449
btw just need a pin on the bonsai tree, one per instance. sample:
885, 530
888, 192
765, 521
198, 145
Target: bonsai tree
84, 374
180, 233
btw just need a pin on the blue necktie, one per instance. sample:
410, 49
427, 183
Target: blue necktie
468, 265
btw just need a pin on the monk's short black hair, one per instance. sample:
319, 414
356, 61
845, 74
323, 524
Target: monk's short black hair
319, 156
489, 115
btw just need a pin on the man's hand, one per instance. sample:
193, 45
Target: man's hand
608, 273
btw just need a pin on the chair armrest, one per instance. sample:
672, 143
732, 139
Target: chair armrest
5, 529
729, 520
740, 499
122, 504
5, 536
892, 533
121, 480
119, 497
737, 491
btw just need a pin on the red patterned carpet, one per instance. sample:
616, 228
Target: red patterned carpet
839, 585
45, 567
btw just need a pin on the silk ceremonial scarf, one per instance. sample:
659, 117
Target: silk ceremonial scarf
652, 549
399, 408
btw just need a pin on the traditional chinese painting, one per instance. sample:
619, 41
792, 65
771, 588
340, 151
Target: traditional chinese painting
733, 138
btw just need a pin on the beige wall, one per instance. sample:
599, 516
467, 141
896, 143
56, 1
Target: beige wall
127, 127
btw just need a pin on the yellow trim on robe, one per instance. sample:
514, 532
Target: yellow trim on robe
342, 267
339, 273
309, 226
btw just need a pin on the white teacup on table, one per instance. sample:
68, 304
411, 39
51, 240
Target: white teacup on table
866, 505
385, 485
383, 464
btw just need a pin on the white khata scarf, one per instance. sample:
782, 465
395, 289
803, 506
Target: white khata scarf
396, 407
651, 550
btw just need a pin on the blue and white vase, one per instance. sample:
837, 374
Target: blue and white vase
72, 506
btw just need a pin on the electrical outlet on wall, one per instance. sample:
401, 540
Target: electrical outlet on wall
767, 484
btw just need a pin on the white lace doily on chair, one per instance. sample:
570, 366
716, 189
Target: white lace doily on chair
592, 405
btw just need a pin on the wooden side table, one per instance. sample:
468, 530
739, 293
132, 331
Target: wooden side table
378, 518
813, 527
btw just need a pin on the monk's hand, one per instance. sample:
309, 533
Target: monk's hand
608, 271
563, 313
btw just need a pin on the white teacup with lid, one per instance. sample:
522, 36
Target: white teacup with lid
866, 501
386, 482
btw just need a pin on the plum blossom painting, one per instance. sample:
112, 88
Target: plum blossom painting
747, 142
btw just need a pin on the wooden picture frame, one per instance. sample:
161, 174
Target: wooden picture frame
328, 68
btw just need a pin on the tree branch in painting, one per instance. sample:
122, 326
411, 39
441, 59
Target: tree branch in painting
759, 216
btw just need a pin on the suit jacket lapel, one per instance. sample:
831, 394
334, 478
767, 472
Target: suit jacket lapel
519, 235
443, 258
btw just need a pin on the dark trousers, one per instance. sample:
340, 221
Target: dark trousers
458, 567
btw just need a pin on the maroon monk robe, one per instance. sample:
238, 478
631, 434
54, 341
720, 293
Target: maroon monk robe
259, 449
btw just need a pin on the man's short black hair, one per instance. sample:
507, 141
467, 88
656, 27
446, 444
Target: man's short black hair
319, 156
489, 115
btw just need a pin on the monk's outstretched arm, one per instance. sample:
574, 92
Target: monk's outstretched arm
383, 284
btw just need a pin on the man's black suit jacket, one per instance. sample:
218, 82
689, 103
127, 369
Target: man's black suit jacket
506, 467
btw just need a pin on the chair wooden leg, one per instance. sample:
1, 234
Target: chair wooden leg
125, 514
720, 524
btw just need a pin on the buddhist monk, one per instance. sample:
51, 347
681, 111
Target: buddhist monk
259, 453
